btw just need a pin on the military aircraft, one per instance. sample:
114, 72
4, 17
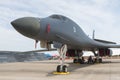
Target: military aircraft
65, 35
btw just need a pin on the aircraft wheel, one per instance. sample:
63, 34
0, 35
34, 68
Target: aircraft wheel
95, 61
64, 68
75, 61
100, 60
59, 68
80, 61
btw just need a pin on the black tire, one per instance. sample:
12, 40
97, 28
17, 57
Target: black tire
95, 60
64, 68
100, 60
58, 68
80, 61
91, 61
75, 61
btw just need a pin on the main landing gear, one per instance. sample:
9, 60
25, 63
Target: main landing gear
98, 59
62, 69
78, 59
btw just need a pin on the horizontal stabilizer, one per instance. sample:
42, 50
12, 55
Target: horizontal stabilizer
103, 41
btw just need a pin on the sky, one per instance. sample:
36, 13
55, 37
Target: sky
103, 16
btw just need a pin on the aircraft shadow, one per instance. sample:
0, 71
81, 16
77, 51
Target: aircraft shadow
72, 66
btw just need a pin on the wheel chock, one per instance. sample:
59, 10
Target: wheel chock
61, 73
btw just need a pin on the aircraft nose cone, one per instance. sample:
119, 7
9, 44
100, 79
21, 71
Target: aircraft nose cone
28, 26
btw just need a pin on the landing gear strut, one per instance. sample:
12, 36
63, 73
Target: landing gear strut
78, 59
98, 59
62, 51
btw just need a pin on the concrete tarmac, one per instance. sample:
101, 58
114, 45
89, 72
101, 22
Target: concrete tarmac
42, 70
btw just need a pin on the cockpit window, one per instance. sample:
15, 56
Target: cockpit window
55, 16
58, 17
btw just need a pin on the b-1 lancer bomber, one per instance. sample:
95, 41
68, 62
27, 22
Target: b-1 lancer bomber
65, 35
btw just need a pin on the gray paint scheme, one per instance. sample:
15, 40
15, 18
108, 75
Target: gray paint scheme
62, 29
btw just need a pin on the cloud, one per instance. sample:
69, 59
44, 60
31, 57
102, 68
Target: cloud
102, 15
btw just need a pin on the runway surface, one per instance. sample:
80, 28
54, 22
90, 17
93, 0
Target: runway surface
42, 70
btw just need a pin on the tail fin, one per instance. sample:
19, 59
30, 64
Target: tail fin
93, 36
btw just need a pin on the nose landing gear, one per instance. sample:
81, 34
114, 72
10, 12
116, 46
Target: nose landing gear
62, 69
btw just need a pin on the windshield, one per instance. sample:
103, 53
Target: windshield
60, 17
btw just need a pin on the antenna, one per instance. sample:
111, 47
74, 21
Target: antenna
93, 36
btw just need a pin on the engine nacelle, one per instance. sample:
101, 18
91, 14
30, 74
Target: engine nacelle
105, 52
74, 53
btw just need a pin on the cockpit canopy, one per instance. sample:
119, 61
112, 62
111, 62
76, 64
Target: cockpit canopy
59, 17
